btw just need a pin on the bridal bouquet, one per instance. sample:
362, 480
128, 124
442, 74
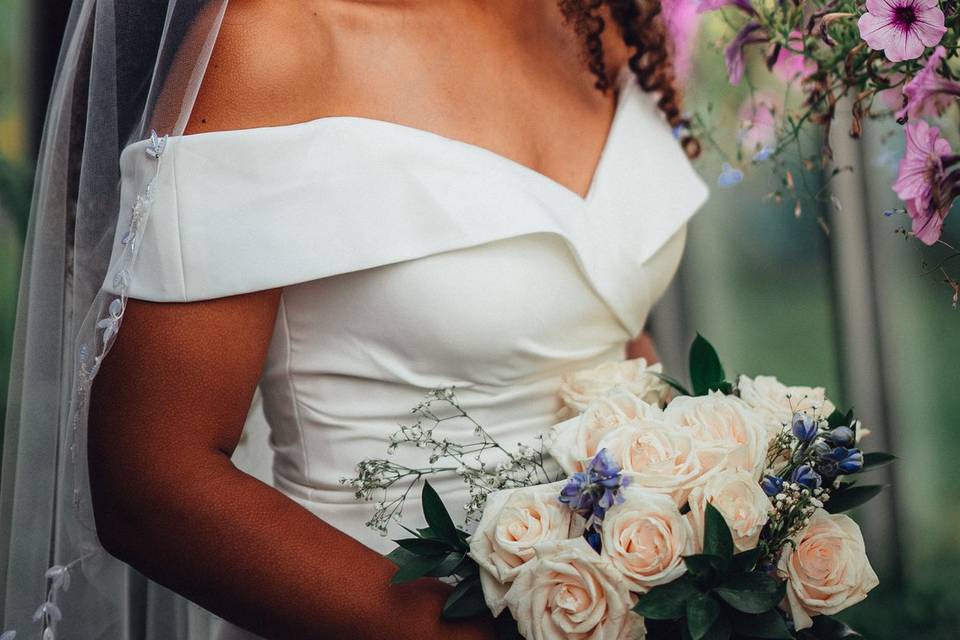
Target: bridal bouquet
715, 514
889, 59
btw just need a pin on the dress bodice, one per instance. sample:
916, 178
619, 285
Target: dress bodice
408, 261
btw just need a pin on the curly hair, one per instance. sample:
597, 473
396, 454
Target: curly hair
642, 28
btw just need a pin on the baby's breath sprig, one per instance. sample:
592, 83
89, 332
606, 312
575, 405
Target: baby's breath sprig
376, 477
790, 512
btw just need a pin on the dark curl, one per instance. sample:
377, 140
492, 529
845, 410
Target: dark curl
641, 26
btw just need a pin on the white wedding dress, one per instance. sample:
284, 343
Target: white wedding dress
408, 261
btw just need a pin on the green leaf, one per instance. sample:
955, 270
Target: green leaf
450, 565
437, 517
851, 497
401, 556
745, 561
751, 592
702, 611
769, 625
413, 566
667, 601
706, 372
705, 567
717, 540
423, 546
876, 459
465, 601
468, 567
673, 382
836, 419
720, 629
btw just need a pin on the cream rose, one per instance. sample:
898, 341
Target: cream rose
570, 591
513, 522
657, 456
729, 434
645, 538
739, 499
777, 402
828, 570
577, 389
573, 443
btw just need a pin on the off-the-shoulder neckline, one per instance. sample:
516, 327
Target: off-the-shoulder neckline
626, 86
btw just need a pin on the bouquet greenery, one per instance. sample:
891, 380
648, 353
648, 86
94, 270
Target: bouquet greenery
713, 514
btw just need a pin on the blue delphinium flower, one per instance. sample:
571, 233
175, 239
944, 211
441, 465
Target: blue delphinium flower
841, 460
591, 492
729, 176
574, 493
763, 154
771, 485
804, 427
805, 475
592, 536
842, 437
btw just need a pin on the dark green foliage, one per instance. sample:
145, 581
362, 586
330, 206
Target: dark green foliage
848, 496
706, 372
440, 551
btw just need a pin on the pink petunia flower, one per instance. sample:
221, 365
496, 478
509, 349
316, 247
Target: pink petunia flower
682, 20
924, 183
892, 98
713, 5
929, 93
790, 66
758, 122
902, 28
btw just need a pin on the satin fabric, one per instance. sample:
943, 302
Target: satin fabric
409, 261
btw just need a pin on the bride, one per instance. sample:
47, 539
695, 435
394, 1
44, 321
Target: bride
347, 204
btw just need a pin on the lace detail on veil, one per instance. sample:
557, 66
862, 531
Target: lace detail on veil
92, 350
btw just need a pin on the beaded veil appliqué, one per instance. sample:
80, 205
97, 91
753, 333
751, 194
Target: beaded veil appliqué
92, 349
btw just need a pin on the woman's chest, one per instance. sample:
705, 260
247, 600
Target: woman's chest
499, 313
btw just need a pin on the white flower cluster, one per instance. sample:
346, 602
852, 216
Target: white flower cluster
377, 477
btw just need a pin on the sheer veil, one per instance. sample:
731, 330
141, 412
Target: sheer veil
126, 68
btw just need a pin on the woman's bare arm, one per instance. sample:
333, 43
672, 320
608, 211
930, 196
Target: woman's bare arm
169, 405
167, 411
642, 347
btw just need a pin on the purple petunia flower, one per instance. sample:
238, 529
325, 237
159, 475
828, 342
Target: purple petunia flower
928, 93
751, 33
924, 183
902, 28
712, 5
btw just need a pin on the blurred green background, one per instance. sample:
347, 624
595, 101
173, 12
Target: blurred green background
762, 285
14, 172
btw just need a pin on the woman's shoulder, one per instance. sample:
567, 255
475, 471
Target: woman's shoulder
269, 66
